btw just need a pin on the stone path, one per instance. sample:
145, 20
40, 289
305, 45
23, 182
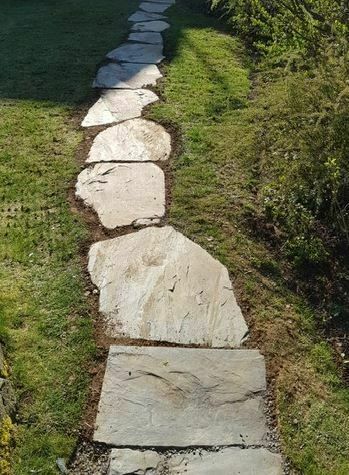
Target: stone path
194, 409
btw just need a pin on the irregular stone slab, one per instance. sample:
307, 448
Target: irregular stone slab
137, 53
181, 397
136, 140
154, 7
123, 193
126, 76
147, 37
117, 106
144, 16
172, 2
231, 460
158, 285
156, 26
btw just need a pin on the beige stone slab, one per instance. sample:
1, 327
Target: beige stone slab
123, 193
153, 26
227, 461
181, 397
151, 7
158, 285
135, 140
127, 76
137, 53
118, 105
145, 16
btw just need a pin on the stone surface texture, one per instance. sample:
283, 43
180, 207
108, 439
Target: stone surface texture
181, 397
126, 76
122, 193
117, 106
228, 461
135, 140
146, 37
158, 285
151, 7
137, 53
145, 16
156, 26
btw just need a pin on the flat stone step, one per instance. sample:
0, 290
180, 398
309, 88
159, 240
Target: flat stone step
151, 7
228, 461
147, 37
117, 106
123, 193
155, 26
137, 53
158, 285
135, 140
181, 397
126, 76
145, 16
172, 2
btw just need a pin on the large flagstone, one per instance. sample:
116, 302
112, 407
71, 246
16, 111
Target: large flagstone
123, 193
137, 53
136, 140
145, 16
126, 76
117, 106
156, 26
158, 285
227, 461
154, 7
181, 397
146, 37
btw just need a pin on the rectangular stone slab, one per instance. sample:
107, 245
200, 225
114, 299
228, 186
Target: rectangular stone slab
181, 397
227, 461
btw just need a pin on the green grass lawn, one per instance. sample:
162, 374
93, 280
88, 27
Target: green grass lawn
206, 99
49, 51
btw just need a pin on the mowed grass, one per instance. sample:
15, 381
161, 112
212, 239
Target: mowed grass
49, 51
206, 100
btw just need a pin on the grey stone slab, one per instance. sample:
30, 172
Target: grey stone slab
126, 76
181, 397
155, 26
154, 7
123, 193
137, 53
158, 285
147, 37
118, 105
144, 16
135, 140
227, 461
172, 2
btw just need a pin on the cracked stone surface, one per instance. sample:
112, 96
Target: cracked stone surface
147, 37
137, 53
158, 285
154, 7
126, 76
122, 193
135, 140
145, 16
156, 26
117, 106
181, 397
231, 460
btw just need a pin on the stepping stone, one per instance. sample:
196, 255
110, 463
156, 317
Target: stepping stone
181, 397
126, 76
136, 140
158, 285
156, 26
123, 193
117, 106
147, 37
231, 460
172, 2
144, 16
154, 7
137, 53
